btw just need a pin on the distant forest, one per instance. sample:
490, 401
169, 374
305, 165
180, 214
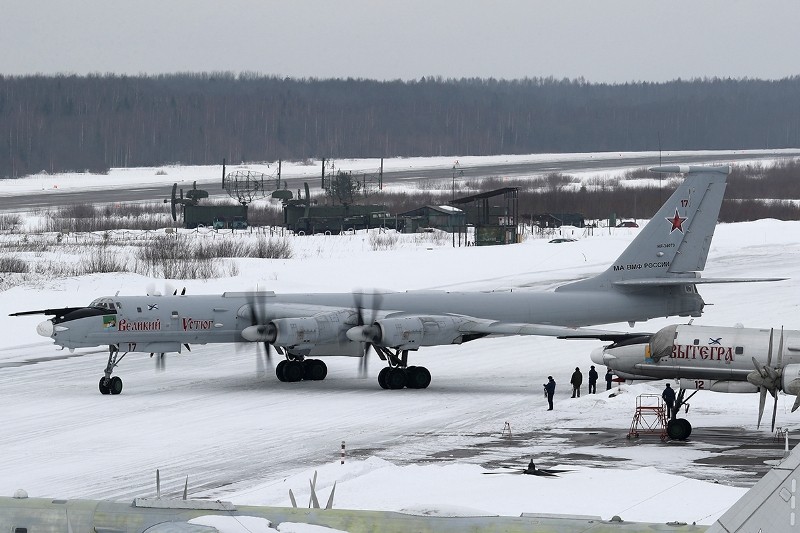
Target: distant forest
77, 123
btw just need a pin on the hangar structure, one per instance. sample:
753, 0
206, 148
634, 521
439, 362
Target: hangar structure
494, 215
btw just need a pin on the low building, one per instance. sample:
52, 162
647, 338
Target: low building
443, 217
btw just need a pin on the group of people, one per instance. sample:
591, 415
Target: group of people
576, 381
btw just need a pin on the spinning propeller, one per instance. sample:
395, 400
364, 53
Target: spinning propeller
264, 329
769, 378
370, 332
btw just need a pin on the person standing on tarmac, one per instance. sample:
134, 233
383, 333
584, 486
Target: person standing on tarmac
593, 380
669, 398
576, 380
609, 377
550, 390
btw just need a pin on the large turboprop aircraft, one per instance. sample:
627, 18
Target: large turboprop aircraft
717, 359
655, 276
767, 506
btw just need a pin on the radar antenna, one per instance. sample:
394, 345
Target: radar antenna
245, 186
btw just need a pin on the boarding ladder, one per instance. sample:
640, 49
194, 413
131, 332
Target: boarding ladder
650, 417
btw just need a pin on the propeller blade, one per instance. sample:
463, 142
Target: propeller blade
314, 501
363, 364
359, 309
780, 350
769, 350
260, 367
313, 497
291, 497
761, 369
774, 412
774, 377
268, 355
796, 404
329, 505
761, 400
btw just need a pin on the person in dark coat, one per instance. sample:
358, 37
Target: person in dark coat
669, 398
609, 377
550, 390
592, 380
576, 380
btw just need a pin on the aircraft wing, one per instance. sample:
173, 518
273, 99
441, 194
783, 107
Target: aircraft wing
769, 505
490, 327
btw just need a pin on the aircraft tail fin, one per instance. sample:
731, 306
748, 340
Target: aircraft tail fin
674, 245
769, 505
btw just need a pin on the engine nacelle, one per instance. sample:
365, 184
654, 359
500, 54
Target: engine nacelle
295, 332
409, 333
791, 379
322, 328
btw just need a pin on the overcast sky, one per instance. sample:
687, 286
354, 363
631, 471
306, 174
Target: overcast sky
600, 40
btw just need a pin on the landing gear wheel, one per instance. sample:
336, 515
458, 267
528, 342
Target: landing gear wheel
396, 378
115, 385
315, 370
293, 371
417, 377
279, 370
679, 429
104, 386
382, 377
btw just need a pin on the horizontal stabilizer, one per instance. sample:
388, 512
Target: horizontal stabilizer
685, 169
655, 282
57, 312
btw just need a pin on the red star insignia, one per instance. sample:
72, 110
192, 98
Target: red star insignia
677, 222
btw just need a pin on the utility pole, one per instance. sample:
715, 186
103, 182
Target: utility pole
456, 172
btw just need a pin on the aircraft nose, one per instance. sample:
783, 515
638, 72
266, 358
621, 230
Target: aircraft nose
600, 357
45, 328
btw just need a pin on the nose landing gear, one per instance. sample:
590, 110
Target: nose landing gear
108, 384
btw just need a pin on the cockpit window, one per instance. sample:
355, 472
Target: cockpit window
104, 303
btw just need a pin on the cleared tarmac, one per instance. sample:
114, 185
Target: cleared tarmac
133, 193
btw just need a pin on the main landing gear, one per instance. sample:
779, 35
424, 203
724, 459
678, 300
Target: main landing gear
398, 374
108, 384
291, 370
679, 428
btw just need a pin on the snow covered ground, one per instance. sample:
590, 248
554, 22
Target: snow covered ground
219, 417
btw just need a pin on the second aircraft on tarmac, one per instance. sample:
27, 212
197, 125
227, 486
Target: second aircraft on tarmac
655, 276
718, 359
